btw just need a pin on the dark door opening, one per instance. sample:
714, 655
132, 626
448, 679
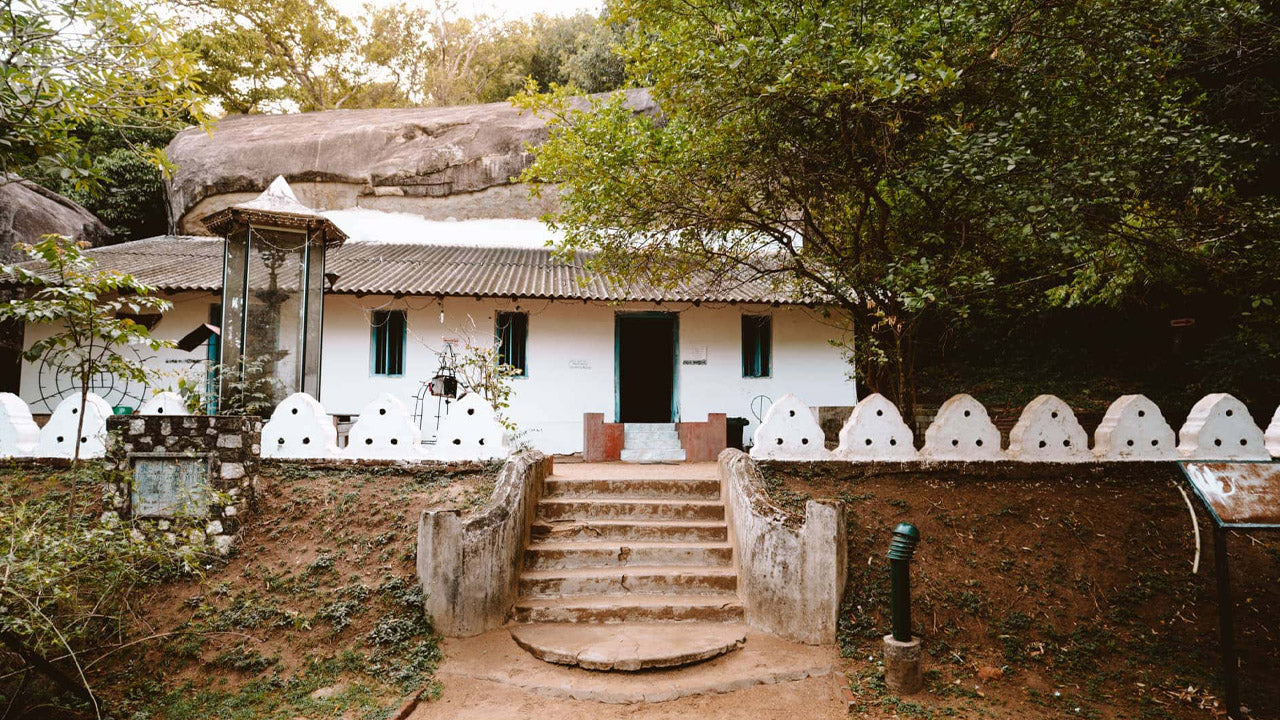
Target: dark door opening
646, 368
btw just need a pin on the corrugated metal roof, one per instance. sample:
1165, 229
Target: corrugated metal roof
180, 262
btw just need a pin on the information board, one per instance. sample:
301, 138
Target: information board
1239, 494
170, 485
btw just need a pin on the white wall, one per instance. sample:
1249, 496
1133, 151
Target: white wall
190, 310
570, 356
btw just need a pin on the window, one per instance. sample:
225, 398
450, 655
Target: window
513, 335
757, 345
388, 342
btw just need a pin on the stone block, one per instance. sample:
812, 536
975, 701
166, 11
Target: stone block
470, 431
58, 436
231, 471
385, 431
222, 544
1219, 427
231, 441
902, 666
164, 403
1134, 429
875, 431
962, 430
19, 434
299, 428
1047, 431
789, 431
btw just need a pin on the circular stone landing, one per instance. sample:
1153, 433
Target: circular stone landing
628, 646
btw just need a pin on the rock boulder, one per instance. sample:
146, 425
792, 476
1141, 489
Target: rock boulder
28, 211
438, 162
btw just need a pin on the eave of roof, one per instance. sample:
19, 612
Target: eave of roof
175, 263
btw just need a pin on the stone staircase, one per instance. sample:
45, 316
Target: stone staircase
651, 443
626, 550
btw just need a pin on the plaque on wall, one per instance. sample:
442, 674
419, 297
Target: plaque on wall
170, 485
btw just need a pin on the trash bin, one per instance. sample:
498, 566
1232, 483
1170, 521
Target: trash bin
733, 432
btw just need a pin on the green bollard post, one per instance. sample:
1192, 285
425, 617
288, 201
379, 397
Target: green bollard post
905, 538
901, 650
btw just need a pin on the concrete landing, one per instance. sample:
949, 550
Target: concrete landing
629, 646
494, 657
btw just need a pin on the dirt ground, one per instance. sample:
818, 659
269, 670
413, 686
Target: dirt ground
1040, 592
1048, 591
318, 614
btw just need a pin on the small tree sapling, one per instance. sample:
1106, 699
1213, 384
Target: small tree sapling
89, 310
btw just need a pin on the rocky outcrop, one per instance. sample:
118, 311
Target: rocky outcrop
28, 211
438, 162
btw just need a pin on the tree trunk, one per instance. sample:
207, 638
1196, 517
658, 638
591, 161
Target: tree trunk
44, 667
84, 400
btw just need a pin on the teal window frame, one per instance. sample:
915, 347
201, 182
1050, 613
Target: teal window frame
757, 346
386, 350
511, 332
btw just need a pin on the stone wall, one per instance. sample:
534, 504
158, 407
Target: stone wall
230, 444
469, 563
791, 577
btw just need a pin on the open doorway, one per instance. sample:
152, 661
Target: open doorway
646, 367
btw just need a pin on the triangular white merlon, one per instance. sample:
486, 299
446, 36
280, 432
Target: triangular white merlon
1219, 427
789, 432
875, 431
962, 430
1134, 429
1047, 431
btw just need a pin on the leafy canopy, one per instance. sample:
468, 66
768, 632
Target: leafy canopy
68, 64
912, 160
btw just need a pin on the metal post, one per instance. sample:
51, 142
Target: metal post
905, 537
1226, 618
902, 651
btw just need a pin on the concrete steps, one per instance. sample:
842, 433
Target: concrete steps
563, 508
611, 546
686, 580
651, 443
701, 489
640, 608
556, 554
675, 531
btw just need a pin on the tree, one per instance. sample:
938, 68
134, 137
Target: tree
130, 198
89, 310
68, 63
274, 55
913, 162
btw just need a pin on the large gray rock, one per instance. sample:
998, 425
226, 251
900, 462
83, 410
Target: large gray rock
28, 212
437, 162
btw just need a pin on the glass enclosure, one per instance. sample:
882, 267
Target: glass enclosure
273, 295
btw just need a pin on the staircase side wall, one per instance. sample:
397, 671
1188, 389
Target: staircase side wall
791, 576
469, 564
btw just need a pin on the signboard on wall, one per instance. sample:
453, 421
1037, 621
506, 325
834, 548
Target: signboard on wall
170, 485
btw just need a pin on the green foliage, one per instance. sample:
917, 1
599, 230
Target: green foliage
921, 162
304, 55
249, 388
69, 578
90, 311
129, 194
67, 64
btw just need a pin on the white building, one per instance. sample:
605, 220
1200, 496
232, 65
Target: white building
403, 290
